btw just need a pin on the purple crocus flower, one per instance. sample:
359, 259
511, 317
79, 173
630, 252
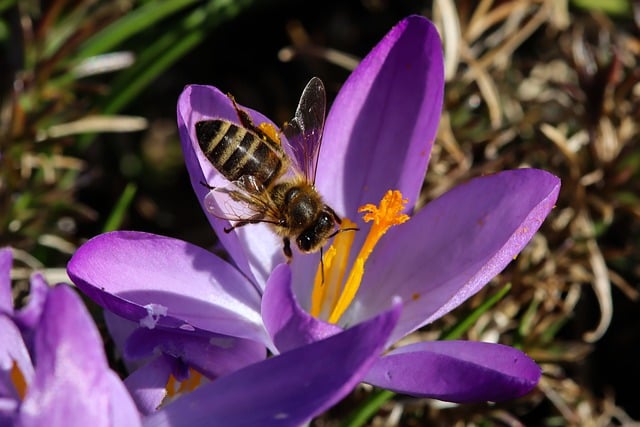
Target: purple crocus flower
377, 141
64, 380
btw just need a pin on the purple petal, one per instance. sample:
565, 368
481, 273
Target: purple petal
287, 323
213, 355
456, 371
6, 298
120, 330
8, 407
147, 385
12, 351
122, 408
28, 317
159, 281
383, 122
255, 249
456, 244
286, 390
73, 385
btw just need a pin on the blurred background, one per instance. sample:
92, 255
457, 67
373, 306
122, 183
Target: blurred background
89, 143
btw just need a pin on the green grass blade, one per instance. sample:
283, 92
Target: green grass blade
138, 20
368, 409
612, 7
461, 327
154, 60
119, 212
168, 49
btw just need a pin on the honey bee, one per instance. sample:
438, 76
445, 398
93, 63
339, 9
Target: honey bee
271, 182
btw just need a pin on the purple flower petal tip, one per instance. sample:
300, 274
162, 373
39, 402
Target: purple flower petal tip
395, 94
457, 371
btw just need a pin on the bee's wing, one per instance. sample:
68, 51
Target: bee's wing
304, 131
241, 200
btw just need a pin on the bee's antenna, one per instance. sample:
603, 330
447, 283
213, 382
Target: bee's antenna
340, 230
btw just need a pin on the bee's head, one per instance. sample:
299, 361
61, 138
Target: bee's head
320, 230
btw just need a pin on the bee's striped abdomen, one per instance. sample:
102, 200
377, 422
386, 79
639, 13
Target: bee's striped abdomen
235, 151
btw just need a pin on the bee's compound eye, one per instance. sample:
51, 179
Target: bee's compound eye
315, 236
305, 241
325, 223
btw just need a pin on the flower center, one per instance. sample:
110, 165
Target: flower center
176, 387
331, 297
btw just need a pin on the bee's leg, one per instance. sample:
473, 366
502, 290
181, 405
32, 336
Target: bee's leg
247, 122
253, 220
236, 225
243, 116
287, 248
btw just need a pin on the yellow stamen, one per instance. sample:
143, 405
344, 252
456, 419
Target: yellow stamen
17, 378
333, 267
175, 387
329, 299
